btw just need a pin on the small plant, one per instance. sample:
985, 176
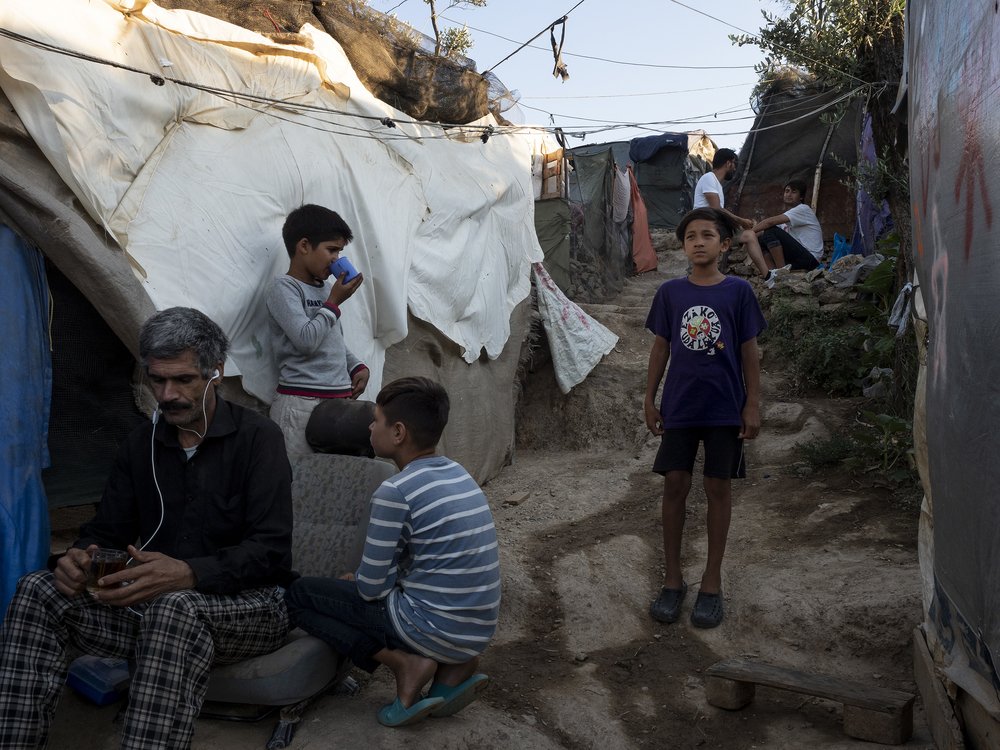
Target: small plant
834, 450
456, 42
834, 351
887, 447
875, 177
820, 345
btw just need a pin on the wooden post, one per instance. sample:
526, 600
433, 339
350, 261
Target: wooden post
555, 158
819, 167
746, 167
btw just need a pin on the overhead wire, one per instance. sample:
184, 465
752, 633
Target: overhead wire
602, 59
779, 46
245, 99
652, 93
815, 111
561, 19
394, 7
709, 116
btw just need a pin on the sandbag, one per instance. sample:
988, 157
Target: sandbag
340, 426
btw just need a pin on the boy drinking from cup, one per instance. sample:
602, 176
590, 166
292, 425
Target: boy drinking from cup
303, 311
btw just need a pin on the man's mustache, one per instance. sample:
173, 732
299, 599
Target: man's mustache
174, 406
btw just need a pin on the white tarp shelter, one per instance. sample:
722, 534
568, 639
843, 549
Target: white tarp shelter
195, 184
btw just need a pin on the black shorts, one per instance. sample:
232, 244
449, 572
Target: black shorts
723, 451
796, 255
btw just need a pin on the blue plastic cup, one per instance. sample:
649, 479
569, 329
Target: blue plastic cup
341, 265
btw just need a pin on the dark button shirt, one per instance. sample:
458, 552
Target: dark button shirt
227, 509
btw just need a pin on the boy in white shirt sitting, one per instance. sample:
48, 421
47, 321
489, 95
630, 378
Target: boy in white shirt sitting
800, 243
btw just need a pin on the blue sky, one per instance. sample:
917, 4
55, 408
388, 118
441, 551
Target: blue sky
654, 32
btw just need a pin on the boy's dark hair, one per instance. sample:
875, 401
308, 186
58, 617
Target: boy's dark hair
800, 186
316, 223
722, 156
722, 222
420, 404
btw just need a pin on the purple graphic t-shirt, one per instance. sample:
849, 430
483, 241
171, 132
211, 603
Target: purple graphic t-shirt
705, 326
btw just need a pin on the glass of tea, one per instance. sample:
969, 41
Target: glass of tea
104, 562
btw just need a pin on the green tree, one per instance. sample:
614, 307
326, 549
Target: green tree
846, 44
452, 42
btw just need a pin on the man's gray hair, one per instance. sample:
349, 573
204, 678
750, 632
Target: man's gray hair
172, 332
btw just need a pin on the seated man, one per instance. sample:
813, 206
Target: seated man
708, 193
801, 244
425, 599
207, 491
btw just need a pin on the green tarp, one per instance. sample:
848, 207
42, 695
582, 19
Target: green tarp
552, 228
664, 184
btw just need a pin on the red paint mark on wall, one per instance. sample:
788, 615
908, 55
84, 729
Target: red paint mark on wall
972, 169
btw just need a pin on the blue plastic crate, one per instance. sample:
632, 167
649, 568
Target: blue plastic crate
98, 678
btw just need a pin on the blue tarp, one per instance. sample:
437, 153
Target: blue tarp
644, 149
25, 398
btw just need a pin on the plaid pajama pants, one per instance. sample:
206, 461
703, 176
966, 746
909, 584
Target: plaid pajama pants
175, 644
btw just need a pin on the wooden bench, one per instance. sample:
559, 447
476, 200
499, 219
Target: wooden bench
870, 713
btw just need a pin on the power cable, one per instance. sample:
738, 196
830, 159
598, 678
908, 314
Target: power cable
603, 59
757, 36
551, 25
849, 95
394, 7
652, 93
243, 99
649, 125
707, 117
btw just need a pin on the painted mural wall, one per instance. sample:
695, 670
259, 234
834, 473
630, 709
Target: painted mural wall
954, 142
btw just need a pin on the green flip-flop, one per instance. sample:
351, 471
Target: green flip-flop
458, 697
394, 715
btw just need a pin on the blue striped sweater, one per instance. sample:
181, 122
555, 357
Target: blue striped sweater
431, 551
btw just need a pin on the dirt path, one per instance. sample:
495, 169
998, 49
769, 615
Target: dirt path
821, 574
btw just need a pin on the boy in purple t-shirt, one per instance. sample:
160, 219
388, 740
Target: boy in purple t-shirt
707, 325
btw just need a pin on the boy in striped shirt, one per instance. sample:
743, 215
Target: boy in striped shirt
425, 599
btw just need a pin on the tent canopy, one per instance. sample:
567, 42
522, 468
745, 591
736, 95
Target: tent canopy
667, 168
792, 135
148, 193
643, 149
194, 186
